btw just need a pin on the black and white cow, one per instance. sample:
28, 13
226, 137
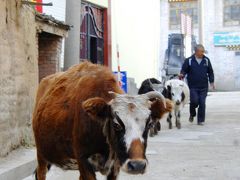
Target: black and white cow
152, 84
177, 91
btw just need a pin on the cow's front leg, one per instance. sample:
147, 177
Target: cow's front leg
151, 132
169, 120
157, 127
154, 130
42, 167
86, 170
178, 123
113, 173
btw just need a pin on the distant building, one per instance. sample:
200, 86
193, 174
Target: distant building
221, 34
141, 30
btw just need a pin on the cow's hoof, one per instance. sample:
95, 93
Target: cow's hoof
158, 126
151, 135
178, 126
156, 130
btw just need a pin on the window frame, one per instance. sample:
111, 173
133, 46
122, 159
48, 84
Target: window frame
230, 21
179, 8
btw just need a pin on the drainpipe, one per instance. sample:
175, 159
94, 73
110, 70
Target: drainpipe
72, 42
201, 21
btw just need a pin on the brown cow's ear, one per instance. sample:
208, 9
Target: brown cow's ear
97, 108
158, 109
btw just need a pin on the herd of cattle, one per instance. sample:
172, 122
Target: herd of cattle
175, 90
83, 121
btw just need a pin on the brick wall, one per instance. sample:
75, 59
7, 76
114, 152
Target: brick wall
49, 54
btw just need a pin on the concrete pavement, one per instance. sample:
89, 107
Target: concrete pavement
209, 152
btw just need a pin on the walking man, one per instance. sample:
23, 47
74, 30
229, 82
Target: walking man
199, 72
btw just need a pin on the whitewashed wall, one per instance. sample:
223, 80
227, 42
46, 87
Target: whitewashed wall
225, 62
136, 28
102, 3
58, 10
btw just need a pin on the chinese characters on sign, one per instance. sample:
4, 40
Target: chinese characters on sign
226, 38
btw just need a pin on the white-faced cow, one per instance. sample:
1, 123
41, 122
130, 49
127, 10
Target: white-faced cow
177, 91
83, 121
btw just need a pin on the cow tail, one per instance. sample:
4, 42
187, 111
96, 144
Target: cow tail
35, 172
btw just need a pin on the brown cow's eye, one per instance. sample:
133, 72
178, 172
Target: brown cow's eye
117, 127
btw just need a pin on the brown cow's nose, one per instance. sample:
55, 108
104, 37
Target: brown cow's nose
136, 166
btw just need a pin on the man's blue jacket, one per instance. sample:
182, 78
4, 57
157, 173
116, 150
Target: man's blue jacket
198, 75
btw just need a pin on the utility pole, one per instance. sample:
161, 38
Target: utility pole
72, 42
201, 21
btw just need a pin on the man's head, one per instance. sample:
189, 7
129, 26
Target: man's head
199, 50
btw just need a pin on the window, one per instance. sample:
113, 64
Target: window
176, 8
231, 13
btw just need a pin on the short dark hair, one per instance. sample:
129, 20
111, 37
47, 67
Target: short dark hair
199, 46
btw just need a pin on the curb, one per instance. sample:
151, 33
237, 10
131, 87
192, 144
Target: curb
18, 165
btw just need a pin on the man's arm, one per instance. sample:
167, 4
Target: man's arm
211, 75
185, 69
210, 72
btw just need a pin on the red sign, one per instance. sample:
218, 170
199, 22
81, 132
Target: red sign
38, 7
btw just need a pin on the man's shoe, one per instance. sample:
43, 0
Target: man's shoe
200, 123
191, 118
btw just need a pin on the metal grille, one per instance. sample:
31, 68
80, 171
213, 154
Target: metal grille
231, 13
92, 33
176, 8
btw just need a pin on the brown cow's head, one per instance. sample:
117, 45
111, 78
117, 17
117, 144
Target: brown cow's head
127, 120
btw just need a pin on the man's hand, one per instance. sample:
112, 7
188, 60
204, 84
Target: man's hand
212, 86
180, 76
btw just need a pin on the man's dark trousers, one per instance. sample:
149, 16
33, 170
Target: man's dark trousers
198, 99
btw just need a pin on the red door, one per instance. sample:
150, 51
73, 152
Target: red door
92, 33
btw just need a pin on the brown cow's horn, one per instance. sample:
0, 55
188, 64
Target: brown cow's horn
156, 94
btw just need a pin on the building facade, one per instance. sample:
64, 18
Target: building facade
123, 20
220, 23
90, 34
30, 46
142, 34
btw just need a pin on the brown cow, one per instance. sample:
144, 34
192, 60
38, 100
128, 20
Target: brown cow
83, 121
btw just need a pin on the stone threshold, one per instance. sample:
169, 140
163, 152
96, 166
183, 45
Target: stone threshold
18, 164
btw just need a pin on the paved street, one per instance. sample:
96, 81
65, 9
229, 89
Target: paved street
204, 152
